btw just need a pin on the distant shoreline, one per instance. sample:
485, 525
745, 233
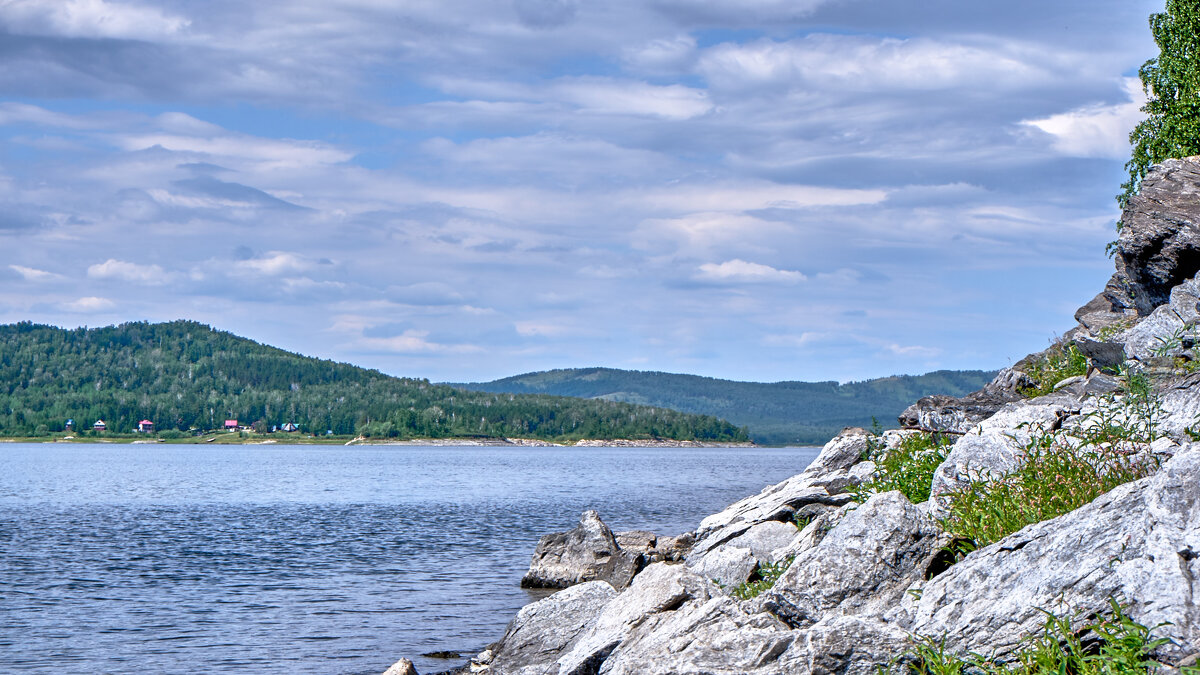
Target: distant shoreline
235, 439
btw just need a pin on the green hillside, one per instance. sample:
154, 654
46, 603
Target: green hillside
777, 413
185, 376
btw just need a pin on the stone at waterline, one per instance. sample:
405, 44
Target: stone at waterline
401, 667
587, 553
543, 630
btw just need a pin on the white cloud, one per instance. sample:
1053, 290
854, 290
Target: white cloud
663, 55
89, 19
31, 274
738, 270
274, 263
542, 328
126, 271
916, 351
412, 341
1095, 130
859, 63
750, 195
89, 304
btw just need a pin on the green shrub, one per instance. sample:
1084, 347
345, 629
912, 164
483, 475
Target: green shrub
767, 576
908, 467
1125, 647
1061, 471
1058, 363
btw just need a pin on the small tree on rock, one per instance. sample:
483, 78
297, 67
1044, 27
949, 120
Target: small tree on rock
1172, 84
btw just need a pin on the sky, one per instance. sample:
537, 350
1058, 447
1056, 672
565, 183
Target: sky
464, 190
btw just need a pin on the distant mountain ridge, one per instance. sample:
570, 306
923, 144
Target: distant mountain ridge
776, 413
185, 377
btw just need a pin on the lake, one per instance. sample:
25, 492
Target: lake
311, 559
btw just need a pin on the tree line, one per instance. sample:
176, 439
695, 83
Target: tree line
186, 377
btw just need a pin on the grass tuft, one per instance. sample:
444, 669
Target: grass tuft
908, 467
1125, 646
1062, 470
767, 574
1059, 363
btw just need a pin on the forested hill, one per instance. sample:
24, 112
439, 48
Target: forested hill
775, 413
185, 376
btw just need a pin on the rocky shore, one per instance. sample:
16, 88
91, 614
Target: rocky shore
832, 571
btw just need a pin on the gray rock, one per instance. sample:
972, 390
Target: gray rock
661, 587
1103, 354
401, 667
1138, 543
726, 566
1159, 333
587, 553
1179, 411
1158, 246
636, 541
957, 415
862, 566
713, 636
766, 540
537, 636
852, 645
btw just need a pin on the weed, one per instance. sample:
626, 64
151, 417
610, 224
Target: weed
1125, 647
1059, 363
908, 467
1062, 470
800, 521
767, 575
1114, 329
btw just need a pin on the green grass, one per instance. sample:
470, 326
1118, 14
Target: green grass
908, 467
1058, 363
767, 574
1062, 471
1125, 647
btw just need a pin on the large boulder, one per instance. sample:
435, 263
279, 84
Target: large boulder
717, 635
823, 483
537, 636
587, 553
661, 587
1158, 246
1139, 544
863, 566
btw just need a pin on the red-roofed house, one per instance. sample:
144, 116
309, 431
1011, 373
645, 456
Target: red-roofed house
231, 425
146, 426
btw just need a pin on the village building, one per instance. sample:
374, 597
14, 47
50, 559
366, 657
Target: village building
99, 426
288, 426
146, 427
231, 425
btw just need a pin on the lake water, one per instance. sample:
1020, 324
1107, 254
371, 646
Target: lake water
310, 559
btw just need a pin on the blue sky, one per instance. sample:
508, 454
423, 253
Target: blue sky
468, 189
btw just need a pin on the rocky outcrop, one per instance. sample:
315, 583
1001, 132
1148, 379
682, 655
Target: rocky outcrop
587, 553
1158, 246
958, 415
538, 635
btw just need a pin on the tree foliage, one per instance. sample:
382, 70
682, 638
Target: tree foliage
186, 376
1172, 84
776, 413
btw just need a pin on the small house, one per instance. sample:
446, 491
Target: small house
146, 427
70, 425
288, 426
99, 426
231, 425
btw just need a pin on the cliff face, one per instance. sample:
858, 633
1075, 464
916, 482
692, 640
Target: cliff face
864, 573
